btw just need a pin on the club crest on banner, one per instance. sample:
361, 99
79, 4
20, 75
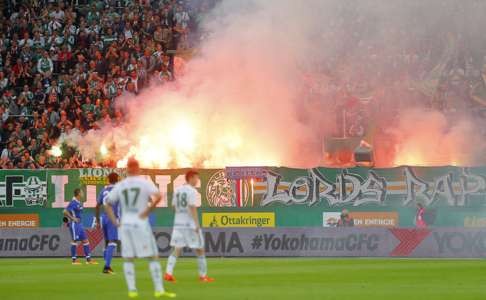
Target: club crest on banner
33, 191
222, 192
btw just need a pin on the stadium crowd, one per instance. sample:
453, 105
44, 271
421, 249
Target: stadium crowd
381, 61
63, 65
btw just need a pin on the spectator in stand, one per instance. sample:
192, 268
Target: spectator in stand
345, 219
45, 65
420, 216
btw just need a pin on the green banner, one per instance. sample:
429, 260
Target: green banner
452, 196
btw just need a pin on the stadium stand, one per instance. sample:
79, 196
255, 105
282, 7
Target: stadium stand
63, 65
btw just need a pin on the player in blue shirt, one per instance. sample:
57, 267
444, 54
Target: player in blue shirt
110, 231
73, 213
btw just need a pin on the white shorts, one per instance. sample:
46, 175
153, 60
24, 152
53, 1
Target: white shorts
187, 237
137, 240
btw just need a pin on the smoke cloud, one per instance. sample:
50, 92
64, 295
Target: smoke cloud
264, 87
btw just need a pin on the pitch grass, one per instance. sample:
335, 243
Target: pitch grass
268, 279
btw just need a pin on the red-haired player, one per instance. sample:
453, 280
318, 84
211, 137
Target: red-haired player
187, 231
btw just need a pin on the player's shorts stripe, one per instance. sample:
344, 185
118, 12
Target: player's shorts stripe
74, 231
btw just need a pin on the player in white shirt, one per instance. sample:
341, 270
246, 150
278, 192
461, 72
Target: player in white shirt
187, 232
137, 197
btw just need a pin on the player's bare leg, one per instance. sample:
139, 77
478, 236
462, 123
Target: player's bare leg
202, 266
171, 262
129, 270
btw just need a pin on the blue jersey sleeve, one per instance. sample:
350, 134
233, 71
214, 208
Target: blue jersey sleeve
100, 198
74, 208
71, 206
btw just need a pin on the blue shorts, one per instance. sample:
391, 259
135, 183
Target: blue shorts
109, 230
77, 232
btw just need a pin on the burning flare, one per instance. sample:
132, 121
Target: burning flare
186, 142
55, 151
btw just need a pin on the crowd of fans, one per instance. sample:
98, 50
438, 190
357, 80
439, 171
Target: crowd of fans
399, 55
434, 60
64, 63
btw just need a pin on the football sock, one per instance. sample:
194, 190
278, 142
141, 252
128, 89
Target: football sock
129, 270
109, 254
73, 251
86, 251
202, 265
156, 273
171, 262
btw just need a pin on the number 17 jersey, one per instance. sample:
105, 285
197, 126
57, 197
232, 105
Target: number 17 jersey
184, 197
133, 194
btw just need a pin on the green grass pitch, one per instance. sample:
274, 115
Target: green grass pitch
258, 278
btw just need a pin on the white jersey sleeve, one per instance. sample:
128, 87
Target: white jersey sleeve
151, 188
191, 198
113, 197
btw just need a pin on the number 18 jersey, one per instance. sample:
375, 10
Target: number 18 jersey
133, 194
184, 197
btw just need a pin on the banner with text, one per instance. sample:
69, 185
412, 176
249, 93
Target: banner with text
274, 242
452, 196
